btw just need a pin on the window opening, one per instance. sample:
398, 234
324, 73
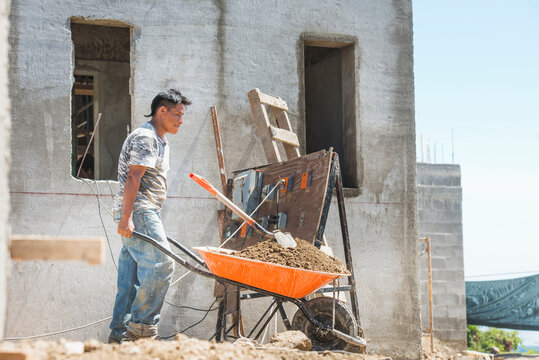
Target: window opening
330, 104
101, 85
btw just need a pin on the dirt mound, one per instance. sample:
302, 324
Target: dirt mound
181, 347
304, 256
441, 351
292, 339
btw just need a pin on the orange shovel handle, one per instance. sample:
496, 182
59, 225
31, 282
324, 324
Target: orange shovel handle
249, 220
204, 183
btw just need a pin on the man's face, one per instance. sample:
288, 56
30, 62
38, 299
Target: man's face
173, 118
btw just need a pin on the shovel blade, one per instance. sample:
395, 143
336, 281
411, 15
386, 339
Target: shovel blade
285, 239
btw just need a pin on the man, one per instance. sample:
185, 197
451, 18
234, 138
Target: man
144, 272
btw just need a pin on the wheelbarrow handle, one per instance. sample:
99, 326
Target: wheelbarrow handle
187, 252
174, 256
212, 190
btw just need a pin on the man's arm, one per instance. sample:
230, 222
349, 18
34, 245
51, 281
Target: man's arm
132, 184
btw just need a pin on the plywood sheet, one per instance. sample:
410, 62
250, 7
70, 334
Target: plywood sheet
303, 207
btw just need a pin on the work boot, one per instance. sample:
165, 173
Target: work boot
140, 331
113, 340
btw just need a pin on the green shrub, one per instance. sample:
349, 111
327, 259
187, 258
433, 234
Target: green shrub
483, 341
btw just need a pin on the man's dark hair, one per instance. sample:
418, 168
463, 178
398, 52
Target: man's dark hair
168, 99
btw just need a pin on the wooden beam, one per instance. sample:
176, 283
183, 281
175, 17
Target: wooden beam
101, 22
79, 111
327, 43
84, 92
270, 100
219, 148
285, 136
15, 354
40, 247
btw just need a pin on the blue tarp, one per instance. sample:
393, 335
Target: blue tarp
510, 304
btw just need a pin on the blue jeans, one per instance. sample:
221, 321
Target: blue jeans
144, 275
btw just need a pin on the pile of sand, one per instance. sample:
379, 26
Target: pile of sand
304, 256
181, 347
441, 351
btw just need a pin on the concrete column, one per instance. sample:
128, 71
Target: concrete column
5, 127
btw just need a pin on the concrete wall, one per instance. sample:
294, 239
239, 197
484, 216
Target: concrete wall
439, 198
5, 126
214, 52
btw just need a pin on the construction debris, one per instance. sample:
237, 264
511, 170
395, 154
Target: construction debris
441, 350
290, 340
181, 347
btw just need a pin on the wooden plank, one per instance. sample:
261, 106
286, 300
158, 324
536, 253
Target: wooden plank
270, 100
281, 117
15, 354
39, 247
79, 111
262, 122
84, 92
220, 157
327, 43
283, 136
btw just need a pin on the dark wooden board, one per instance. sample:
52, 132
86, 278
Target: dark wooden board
302, 206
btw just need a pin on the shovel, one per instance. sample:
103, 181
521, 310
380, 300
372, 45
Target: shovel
284, 239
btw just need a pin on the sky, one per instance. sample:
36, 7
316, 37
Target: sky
476, 66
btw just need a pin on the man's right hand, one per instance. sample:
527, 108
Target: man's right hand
132, 184
126, 226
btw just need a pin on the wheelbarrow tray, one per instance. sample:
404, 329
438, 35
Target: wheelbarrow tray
283, 280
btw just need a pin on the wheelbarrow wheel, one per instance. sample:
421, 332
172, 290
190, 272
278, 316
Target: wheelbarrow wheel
321, 309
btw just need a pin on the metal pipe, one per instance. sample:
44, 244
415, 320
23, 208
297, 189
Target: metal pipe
346, 240
277, 302
174, 256
333, 312
286, 321
327, 203
187, 252
260, 320
430, 296
429, 267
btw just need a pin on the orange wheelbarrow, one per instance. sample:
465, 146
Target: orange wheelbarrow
325, 320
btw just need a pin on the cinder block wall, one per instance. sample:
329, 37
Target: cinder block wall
214, 51
439, 198
5, 125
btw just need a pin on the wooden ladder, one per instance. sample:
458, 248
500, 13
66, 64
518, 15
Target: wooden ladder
269, 134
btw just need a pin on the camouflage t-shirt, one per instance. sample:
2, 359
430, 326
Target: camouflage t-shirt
144, 147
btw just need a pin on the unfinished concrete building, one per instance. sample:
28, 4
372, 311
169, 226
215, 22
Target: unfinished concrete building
439, 202
345, 70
